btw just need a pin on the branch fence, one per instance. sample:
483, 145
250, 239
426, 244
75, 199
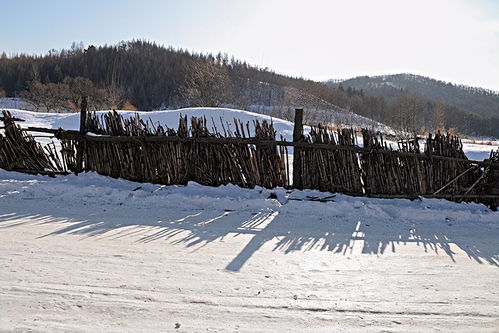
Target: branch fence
249, 155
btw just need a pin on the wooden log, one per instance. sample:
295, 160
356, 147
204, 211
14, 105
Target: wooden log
297, 154
82, 132
11, 119
453, 180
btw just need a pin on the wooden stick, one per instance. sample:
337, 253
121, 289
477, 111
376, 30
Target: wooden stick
83, 130
297, 158
74, 135
484, 174
453, 180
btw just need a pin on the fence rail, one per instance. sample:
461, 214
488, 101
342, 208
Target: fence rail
75, 135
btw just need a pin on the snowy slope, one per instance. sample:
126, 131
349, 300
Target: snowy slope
93, 254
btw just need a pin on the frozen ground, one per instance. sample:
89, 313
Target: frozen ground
93, 254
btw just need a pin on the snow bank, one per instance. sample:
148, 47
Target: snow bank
98, 190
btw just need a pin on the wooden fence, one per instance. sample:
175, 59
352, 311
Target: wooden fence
249, 155
376, 169
19, 151
189, 156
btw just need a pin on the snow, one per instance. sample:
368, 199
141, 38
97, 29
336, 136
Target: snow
88, 253
479, 152
170, 118
15, 103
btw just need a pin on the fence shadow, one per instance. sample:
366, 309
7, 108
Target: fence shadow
281, 229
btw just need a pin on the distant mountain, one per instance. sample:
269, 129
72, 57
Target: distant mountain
479, 101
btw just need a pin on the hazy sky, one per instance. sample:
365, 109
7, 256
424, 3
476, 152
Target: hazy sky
452, 40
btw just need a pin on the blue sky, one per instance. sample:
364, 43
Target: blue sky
453, 40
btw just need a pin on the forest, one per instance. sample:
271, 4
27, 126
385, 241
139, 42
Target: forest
143, 75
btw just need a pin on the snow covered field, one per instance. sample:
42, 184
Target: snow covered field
93, 254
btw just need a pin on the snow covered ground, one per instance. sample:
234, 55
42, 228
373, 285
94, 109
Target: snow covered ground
93, 254
15, 103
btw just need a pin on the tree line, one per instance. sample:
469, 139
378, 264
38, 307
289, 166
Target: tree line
144, 75
479, 101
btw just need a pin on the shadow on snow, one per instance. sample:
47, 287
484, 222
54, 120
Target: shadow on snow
284, 229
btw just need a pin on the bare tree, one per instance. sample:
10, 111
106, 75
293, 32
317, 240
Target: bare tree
440, 115
205, 85
114, 94
78, 87
48, 97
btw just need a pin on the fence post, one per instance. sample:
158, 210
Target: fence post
494, 180
83, 130
297, 137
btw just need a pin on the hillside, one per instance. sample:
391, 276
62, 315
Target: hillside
478, 101
146, 76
